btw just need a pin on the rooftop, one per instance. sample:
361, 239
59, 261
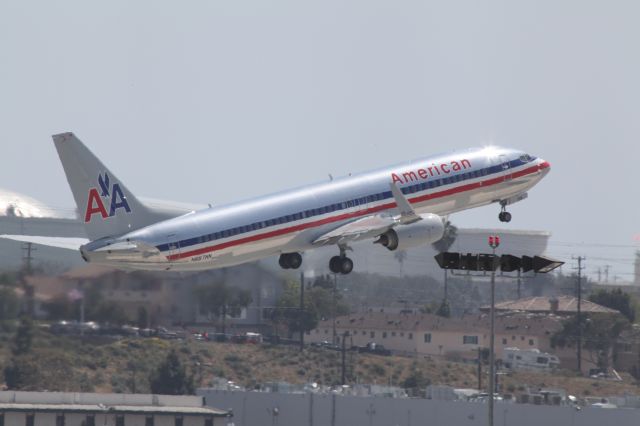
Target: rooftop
565, 305
113, 403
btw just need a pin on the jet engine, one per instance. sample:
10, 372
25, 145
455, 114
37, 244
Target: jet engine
426, 231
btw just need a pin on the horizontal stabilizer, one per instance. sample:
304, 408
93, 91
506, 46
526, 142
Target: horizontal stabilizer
60, 242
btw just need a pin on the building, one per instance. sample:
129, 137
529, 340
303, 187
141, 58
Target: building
91, 409
560, 305
432, 335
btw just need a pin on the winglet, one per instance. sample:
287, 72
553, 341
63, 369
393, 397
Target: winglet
407, 214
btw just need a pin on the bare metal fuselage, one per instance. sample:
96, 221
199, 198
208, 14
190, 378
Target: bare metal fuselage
291, 221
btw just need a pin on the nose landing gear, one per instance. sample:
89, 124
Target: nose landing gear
504, 215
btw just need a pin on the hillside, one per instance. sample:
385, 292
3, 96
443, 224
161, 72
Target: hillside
67, 363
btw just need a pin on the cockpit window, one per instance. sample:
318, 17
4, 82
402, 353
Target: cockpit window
525, 158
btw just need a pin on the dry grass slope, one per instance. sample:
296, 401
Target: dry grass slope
106, 365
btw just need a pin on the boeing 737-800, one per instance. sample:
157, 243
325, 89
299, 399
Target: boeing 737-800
398, 207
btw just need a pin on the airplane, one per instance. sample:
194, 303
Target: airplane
397, 207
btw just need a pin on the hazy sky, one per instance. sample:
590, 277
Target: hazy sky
213, 101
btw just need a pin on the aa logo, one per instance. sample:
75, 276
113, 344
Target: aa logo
111, 195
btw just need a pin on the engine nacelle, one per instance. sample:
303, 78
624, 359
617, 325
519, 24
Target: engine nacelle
429, 230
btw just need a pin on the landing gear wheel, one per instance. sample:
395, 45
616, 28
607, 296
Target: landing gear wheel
504, 215
335, 264
290, 260
295, 260
346, 265
283, 261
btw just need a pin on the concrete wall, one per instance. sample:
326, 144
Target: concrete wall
255, 408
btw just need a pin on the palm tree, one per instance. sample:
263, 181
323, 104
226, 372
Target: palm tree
219, 299
401, 256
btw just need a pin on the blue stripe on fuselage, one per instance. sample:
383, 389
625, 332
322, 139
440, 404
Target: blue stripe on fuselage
344, 205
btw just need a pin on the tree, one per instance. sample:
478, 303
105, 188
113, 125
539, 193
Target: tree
9, 303
23, 338
320, 302
171, 377
143, 317
599, 335
444, 310
416, 382
221, 300
401, 256
46, 369
615, 299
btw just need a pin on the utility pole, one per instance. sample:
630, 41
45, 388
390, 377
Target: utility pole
344, 353
445, 285
519, 283
301, 317
479, 369
579, 312
333, 309
28, 289
28, 249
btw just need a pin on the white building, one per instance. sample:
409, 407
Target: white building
91, 409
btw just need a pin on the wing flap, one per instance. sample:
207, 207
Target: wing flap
360, 229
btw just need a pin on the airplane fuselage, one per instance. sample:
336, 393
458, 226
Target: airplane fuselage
291, 221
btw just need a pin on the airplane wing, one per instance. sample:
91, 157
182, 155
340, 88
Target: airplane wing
407, 214
60, 242
360, 229
374, 225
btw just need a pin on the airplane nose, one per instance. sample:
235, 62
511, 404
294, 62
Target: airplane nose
544, 165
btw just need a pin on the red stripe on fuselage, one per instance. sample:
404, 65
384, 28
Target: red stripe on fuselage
344, 216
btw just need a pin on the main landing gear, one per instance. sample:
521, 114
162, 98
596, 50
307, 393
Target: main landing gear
504, 215
290, 260
341, 264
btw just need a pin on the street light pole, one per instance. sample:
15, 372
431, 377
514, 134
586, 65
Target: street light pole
494, 242
301, 317
333, 309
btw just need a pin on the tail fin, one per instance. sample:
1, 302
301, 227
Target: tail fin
106, 205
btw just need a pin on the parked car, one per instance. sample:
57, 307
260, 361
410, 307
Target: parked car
373, 348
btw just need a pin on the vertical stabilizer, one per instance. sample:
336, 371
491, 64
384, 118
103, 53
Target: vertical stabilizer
105, 204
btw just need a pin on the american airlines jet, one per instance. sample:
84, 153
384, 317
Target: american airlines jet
398, 207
